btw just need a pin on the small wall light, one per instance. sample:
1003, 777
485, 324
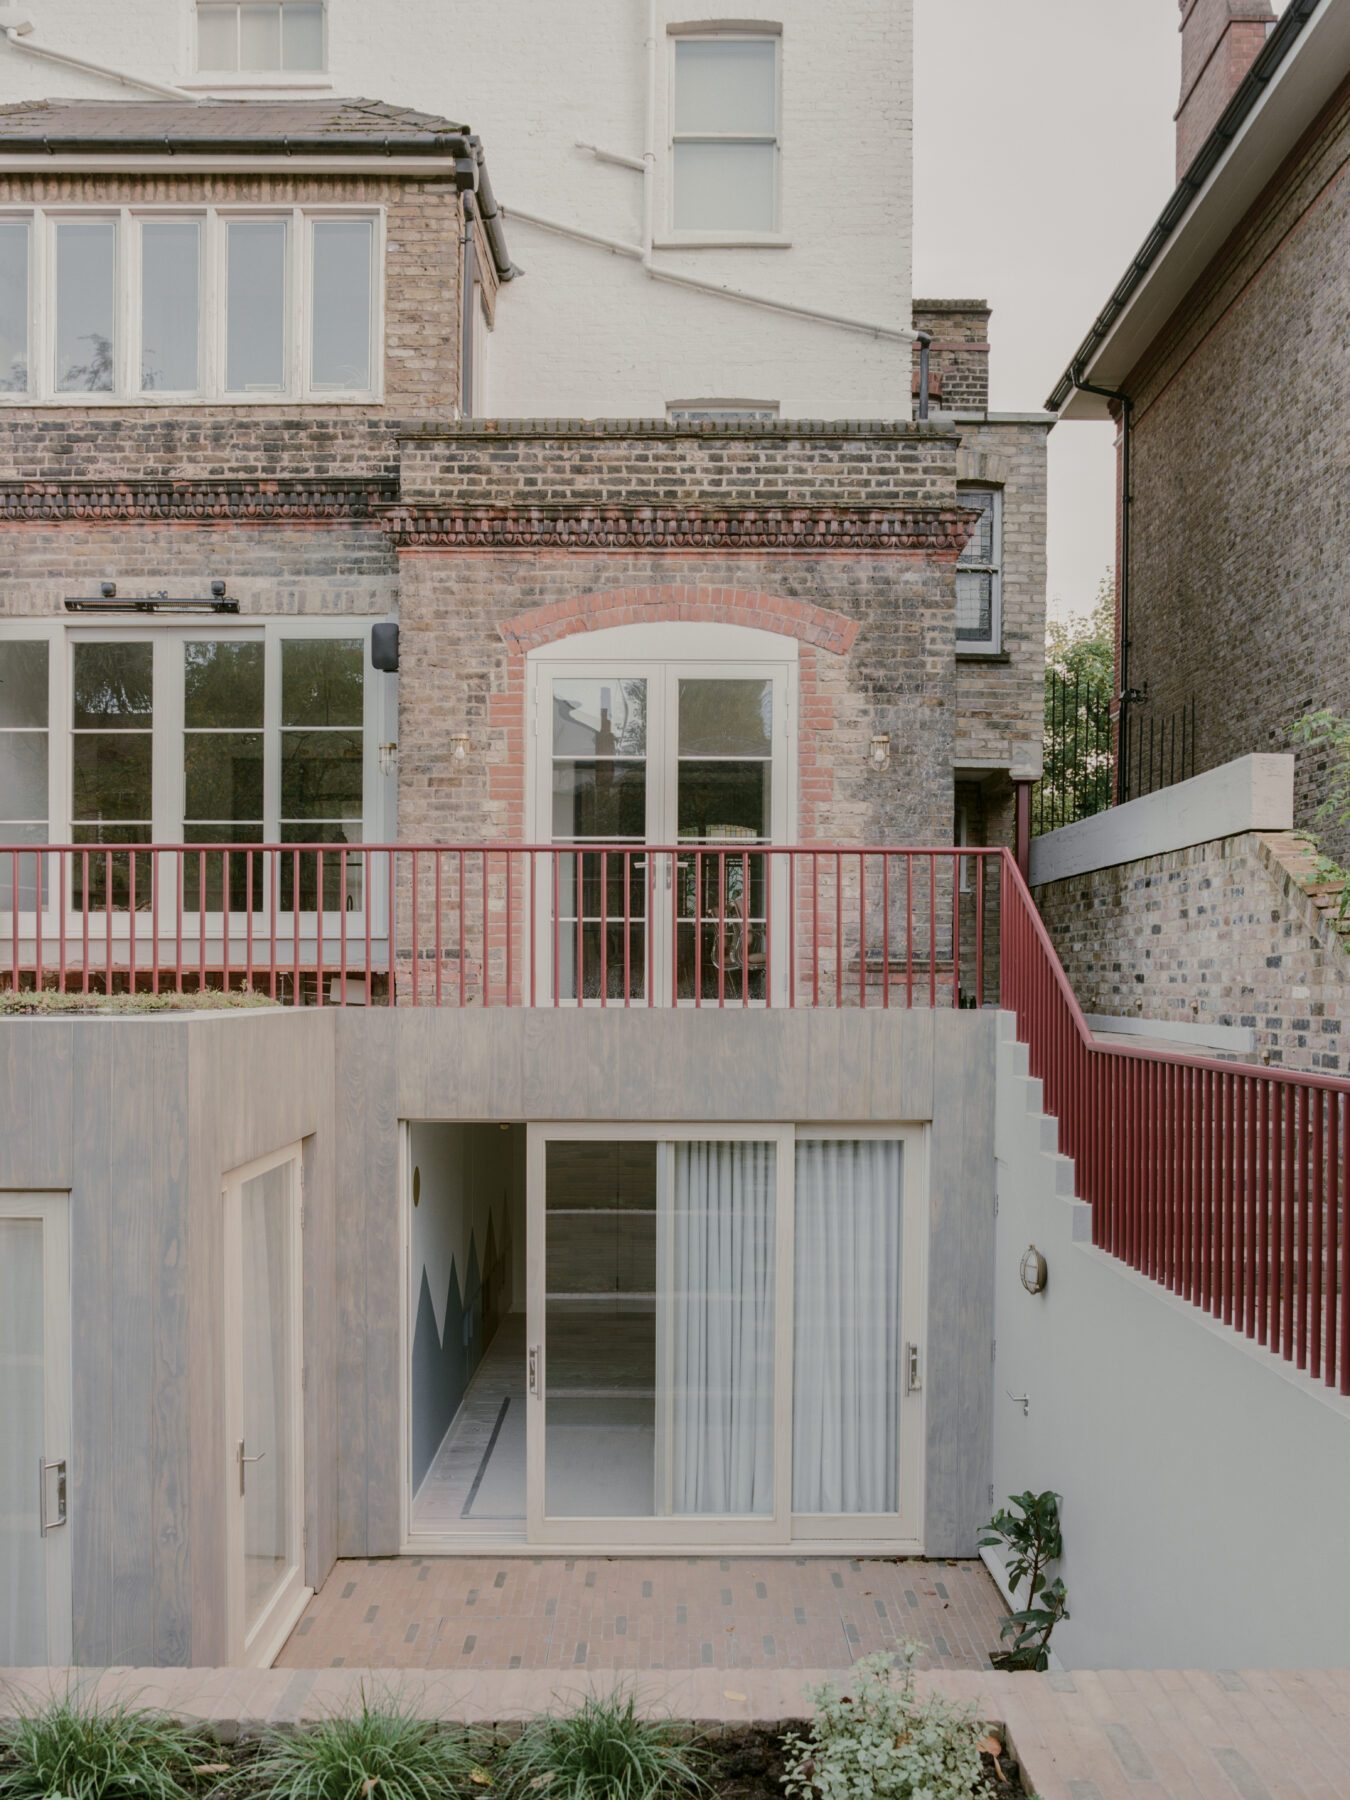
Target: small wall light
1033, 1270
880, 753
388, 758
460, 745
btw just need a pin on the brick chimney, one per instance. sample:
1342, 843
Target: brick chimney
1220, 40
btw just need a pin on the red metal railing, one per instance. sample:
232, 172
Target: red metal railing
1225, 1182
508, 925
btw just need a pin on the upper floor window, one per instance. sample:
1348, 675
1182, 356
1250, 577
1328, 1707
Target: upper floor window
725, 136
198, 305
260, 36
722, 412
979, 573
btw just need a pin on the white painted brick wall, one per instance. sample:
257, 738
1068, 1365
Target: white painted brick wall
587, 333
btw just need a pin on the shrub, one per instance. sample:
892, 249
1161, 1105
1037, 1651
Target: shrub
383, 1752
881, 1741
74, 1749
601, 1750
1033, 1536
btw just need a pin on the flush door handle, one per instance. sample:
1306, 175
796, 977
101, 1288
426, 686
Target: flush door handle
46, 1524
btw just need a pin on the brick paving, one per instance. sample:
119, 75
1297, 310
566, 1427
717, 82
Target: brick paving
556, 1613
1219, 1734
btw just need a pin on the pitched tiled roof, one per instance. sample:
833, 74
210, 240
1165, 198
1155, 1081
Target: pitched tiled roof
248, 126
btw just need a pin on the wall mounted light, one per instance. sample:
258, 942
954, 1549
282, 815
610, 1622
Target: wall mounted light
879, 755
460, 745
1033, 1270
388, 759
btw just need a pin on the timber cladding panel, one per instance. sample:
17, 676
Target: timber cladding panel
1241, 514
421, 272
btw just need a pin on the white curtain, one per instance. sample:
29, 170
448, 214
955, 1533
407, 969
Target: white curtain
847, 1332
720, 1299
23, 1563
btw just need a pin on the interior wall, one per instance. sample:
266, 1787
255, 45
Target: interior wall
467, 1219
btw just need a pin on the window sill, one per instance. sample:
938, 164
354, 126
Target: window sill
106, 402
735, 240
978, 654
232, 80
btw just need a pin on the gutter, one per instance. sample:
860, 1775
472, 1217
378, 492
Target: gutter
1277, 48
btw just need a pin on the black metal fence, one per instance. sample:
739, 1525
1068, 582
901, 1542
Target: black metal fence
1082, 775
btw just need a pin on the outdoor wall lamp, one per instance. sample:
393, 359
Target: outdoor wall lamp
880, 753
460, 745
109, 602
388, 759
1033, 1270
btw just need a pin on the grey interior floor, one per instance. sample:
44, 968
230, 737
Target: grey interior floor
475, 1467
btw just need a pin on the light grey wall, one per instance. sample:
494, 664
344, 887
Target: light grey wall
139, 1119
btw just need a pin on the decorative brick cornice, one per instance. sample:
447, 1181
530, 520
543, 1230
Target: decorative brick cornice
929, 532
816, 625
303, 501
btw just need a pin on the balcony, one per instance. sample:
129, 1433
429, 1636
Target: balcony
489, 925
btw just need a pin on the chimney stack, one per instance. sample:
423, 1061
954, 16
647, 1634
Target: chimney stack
1220, 40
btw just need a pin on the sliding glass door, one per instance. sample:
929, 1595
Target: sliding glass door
721, 1322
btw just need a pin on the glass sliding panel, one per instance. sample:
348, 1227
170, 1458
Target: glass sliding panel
170, 304
600, 794
322, 767
726, 86
23, 768
721, 185
111, 802
341, 303
86, 306
255, 306
23, 1564
14, 255
724, 799
222, 769
260, 36
600, 1330
217, 37
270, 1536
717, 1297
302, 36
847, 1350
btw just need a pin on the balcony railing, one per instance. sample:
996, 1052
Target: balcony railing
606, 925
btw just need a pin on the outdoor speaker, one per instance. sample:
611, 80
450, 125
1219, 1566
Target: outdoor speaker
384, 648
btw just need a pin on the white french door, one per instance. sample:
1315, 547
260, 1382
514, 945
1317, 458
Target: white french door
263, 1464
725, 1335
633, 754
35, 1558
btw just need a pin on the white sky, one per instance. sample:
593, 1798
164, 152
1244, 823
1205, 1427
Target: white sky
1044, 151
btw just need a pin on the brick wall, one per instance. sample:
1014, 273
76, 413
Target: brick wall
1222, 933
1240, 522
959, 353
1220, 41
421, 274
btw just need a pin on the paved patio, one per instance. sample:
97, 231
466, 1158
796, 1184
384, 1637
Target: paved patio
638, 1613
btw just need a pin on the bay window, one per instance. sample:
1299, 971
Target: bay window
202, 303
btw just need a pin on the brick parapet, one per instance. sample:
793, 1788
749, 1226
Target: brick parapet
1223, 933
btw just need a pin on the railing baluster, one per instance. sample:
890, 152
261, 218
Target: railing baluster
1333, 1220
1314, 1300
1288, 1244
320, 909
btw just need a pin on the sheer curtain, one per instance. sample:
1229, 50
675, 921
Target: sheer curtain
847, 1332
719, 1294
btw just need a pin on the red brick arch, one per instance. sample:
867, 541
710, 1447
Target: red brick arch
659, 605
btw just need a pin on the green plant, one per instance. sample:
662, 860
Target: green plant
75, 1749
602, 1750
384, 1751
1035, 1540
1080, 680
1329, 732
881, 1741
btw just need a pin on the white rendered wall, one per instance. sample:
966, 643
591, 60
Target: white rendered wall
588, 333
1204, 1480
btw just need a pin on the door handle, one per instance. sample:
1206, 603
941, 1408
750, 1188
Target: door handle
246, 1459
535, 1361
44, 1467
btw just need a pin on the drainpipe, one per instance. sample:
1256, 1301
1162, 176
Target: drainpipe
1127, 693
1022, 828
925, 344
649, 144
18, 36
467, 296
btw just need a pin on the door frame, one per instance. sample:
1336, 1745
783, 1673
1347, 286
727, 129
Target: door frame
52, 1212
257, 1647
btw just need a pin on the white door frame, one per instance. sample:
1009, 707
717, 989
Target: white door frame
258, 1646
52, 1482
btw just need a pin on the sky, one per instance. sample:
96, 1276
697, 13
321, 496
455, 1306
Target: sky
1044, 150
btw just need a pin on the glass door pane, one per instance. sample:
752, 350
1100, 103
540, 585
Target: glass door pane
847, 1349
268, 1428
222, 771
23, 1443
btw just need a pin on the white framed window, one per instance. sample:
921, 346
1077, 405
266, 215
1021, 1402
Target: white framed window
164, 305
722, 412
979, 574
725, 110
261, 36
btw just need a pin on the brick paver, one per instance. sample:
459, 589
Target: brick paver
639, 1613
